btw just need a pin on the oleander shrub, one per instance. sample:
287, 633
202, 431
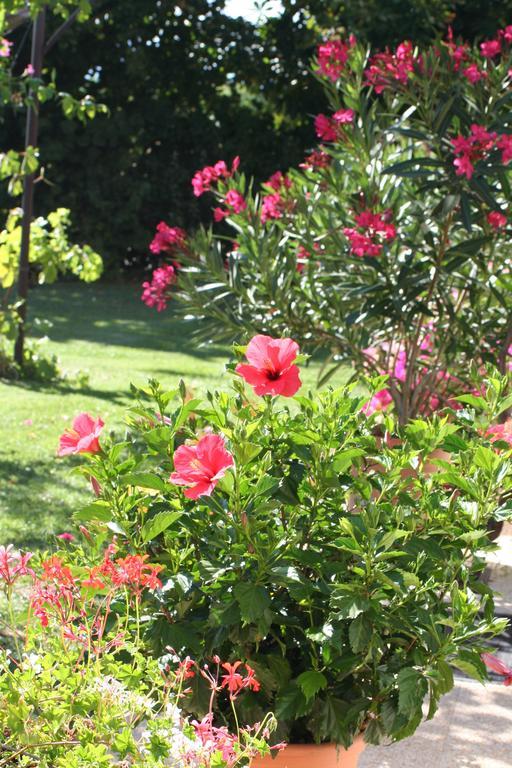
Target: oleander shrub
387, 248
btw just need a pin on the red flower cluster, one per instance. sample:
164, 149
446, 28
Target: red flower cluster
328, 128
386, 67
156, 292
333, 56
235, 682
317, 159
235, 204
211, 174
302, 258
497, 220
279, 182
271, 369
132, 572
272, 207
373, 230
492, 48
82, 437
477, 146
167, 238
199, 467
13, 565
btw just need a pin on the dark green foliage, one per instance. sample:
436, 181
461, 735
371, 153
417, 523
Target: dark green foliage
211, 87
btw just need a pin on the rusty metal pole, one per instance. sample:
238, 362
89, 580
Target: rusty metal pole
31, 138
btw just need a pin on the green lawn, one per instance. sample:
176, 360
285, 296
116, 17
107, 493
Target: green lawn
107, 331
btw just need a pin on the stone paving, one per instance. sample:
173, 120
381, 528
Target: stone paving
473, 727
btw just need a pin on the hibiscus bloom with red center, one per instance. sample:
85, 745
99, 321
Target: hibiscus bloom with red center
271, 369
82, 437
199, 467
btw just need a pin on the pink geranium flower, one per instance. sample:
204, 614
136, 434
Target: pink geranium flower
271, 369
199, 467
13, 564
82, 437
498, 666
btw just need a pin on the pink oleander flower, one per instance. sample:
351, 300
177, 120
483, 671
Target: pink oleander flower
490, 48
199, 467
343, 116
82, 437
279, 182
203, 180
379, 402
470, 149
497, 220
5, 48
272, 207
474, 74
386, 67
155, 293
235, 200
29, 71
317, 159
501, 432
492, 662
373, 230
271, 369
326, 129
459, 53
13, 565
504, 143
167, 238
333, 56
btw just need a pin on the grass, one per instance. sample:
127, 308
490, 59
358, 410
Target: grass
106, 331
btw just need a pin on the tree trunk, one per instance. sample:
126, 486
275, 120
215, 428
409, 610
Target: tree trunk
31, 137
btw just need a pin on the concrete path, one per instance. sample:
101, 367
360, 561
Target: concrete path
473, 727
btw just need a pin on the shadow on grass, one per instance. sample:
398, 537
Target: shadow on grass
65, 388
113, 314
37, 500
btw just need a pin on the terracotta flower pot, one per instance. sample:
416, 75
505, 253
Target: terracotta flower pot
314, 756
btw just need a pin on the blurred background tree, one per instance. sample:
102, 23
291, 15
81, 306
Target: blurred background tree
187, 84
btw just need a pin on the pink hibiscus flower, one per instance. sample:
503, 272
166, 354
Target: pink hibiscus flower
82, 437
501, 432
271, 369
498, 666
199, 467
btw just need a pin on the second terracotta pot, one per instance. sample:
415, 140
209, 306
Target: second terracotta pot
314, 756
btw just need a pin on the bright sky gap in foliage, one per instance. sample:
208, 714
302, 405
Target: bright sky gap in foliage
253, 11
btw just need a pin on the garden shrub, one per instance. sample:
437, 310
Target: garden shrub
340, 557
77, 688
388, 247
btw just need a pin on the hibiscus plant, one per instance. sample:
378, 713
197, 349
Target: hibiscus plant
339, 559
388, 247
